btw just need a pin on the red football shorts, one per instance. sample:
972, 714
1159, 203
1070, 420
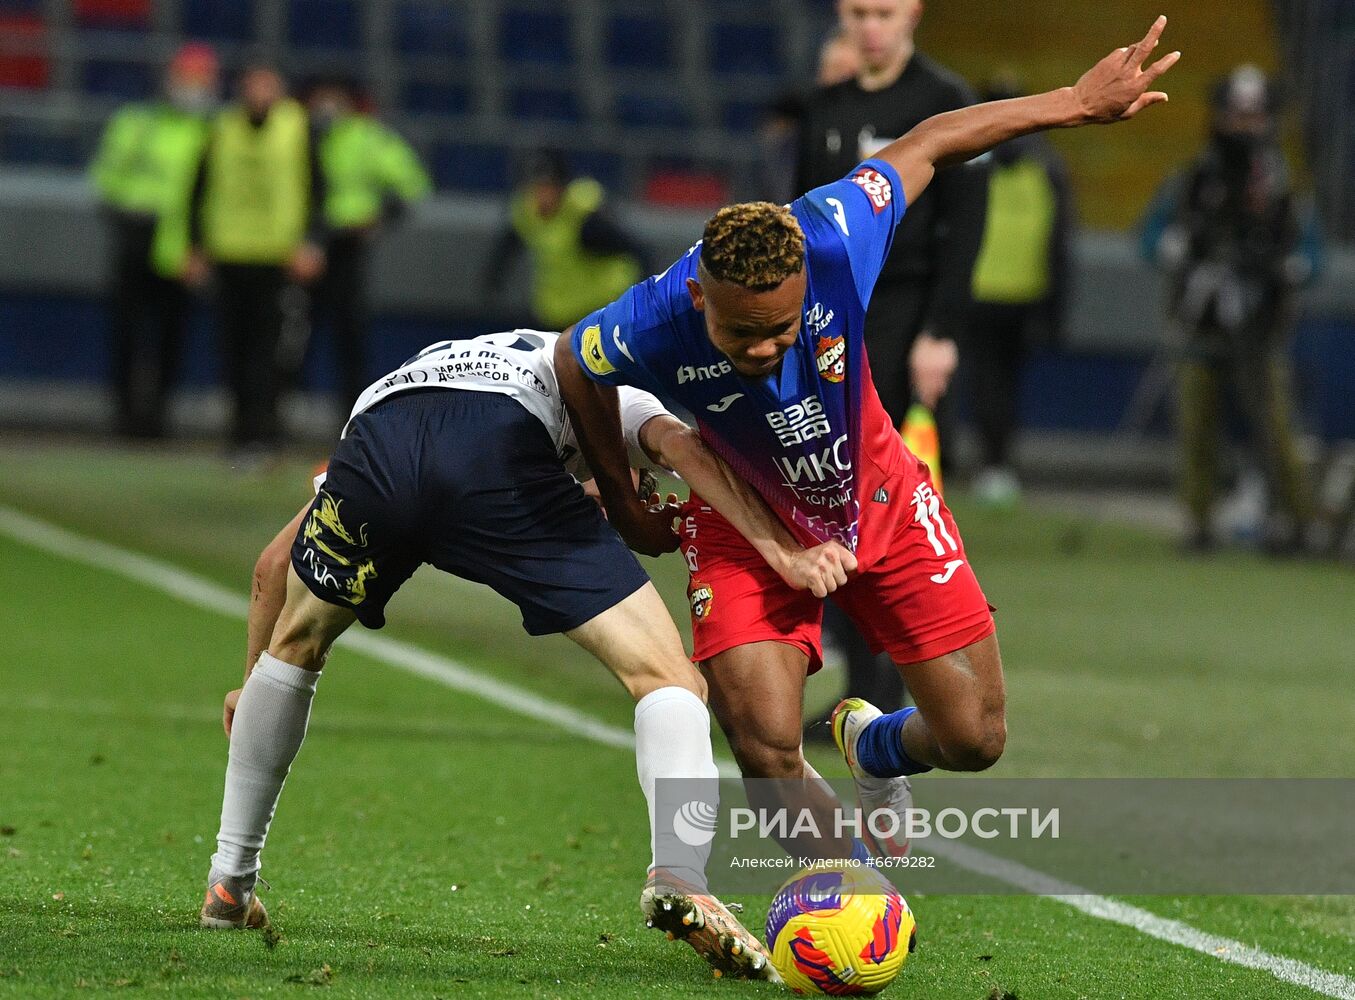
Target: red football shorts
918, 599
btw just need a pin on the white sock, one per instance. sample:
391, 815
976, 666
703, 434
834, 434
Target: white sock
270, 723
672, 741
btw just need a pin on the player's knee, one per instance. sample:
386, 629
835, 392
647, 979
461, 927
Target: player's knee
976, 748
306, 650
661, 674
301, 638
760, 759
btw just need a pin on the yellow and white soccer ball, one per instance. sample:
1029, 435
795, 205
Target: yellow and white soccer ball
839, 930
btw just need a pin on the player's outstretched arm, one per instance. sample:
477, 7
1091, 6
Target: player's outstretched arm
1114, 90
820, 570
595, 413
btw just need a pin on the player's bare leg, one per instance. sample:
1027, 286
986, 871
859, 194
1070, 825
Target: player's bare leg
757, 693
961, 722
267, 722
639, 643
958, 724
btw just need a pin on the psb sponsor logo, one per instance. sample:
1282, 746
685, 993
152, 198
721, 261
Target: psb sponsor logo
831, 357
702, 599
593, 355
700, 373
694, 823
877, 188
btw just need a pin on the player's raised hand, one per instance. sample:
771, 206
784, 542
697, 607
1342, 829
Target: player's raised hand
820, 570
1117, 88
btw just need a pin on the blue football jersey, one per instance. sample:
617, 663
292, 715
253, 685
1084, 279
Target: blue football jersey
801, 435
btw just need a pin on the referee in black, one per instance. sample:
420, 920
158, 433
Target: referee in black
920, 301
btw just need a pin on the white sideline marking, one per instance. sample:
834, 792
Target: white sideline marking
209, 596
1013, 873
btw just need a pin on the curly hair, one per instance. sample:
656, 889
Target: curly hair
756, 245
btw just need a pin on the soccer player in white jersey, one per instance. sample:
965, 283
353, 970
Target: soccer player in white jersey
464, 458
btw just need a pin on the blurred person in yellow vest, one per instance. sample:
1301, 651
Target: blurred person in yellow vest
256, 224
143, 172
581, 257
1020, 291
372, 176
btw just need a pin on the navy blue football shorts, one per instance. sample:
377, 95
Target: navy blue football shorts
469, 482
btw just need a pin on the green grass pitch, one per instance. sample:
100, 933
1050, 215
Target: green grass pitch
431, 844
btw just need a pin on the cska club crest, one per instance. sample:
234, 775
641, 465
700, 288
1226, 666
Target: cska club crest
832, 359
702, 597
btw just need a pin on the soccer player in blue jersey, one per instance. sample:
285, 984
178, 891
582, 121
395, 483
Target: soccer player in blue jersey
756, 338
463, 458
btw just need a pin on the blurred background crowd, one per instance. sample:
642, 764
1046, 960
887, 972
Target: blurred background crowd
221, 220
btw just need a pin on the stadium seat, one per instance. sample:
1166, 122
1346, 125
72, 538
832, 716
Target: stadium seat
472, 167
436, 98
113, 15
129, 81
634, 42
534, 36
23, 60
324, 24
676, 187
432, 29
743, 117
603, 166
41, 148
742, 48
652, 111
213, 21
537, 104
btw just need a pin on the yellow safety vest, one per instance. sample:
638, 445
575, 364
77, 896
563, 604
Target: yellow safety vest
146, 164
569, 282
363, 161
256, 205
1013, 263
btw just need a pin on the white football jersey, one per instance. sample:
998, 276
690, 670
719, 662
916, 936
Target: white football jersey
519, 364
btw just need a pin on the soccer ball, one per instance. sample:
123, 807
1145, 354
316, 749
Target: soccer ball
842, 930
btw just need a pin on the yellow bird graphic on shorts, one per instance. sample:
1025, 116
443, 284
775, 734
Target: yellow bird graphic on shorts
326, 517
